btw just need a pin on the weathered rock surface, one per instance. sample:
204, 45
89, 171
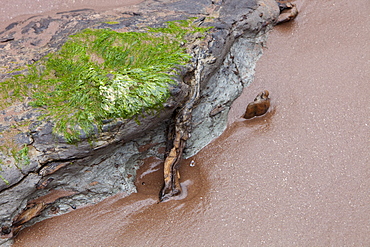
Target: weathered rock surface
88, 172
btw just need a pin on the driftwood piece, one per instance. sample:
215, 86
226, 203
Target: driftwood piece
259, 106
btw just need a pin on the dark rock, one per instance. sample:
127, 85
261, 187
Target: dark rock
23, 138
75, 11
10, 26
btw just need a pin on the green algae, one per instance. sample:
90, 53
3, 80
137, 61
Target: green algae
20, 156
3, 179
111, 22
101, 74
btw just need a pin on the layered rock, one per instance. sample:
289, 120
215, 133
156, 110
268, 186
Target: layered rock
48, 169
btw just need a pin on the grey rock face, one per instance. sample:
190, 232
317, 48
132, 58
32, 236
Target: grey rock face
236, 72
88, 172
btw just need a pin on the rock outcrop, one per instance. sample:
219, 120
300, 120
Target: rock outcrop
47, 169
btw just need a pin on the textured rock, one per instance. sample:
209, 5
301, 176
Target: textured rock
224, 86
89, 171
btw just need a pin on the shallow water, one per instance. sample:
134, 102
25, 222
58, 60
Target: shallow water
298, 176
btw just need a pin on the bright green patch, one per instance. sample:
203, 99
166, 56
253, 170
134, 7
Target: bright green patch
111, 22
103, 74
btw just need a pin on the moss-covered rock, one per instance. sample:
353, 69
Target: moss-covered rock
101, 74
82, 96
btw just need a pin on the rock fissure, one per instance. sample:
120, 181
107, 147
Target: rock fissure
181, 133
18, 182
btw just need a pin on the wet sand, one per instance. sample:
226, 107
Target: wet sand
17, 10
298, 176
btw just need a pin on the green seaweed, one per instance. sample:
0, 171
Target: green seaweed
4, 180
111, 22
21, 157
102, 74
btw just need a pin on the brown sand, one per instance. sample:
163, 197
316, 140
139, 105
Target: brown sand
298, 176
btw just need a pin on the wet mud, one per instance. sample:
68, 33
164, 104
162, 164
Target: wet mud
296, 176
